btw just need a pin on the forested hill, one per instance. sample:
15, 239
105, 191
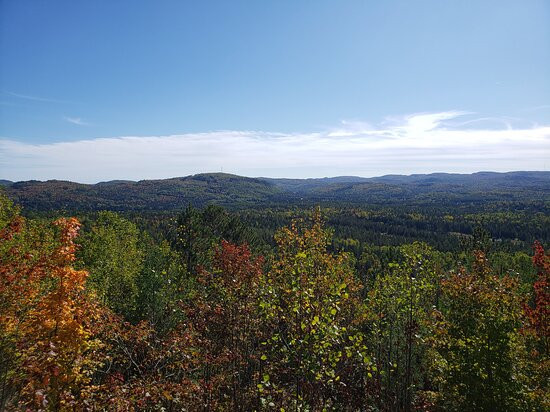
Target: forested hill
505, 190
166, 194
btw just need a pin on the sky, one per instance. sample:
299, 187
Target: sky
128, 89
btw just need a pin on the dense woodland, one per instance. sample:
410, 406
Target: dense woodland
422, 304
467, 192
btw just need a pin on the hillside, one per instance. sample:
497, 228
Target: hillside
165, 194
508, 190
437, 189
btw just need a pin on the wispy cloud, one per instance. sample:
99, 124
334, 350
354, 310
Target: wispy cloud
537, 108
36, 98
2, 103
76, 120
417, 143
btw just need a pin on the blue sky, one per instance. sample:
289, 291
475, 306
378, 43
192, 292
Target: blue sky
281, 88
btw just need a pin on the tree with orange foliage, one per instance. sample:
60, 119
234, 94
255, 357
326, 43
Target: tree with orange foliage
46, 316
13, 287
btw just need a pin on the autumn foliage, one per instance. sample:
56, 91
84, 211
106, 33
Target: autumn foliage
537, 329
47, 318
204, 324
538, 316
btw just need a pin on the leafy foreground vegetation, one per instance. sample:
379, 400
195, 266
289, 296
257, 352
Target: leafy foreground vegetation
201, 313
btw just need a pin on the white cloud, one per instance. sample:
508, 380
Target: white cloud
419, 143
35, 98
76, 120
536, 108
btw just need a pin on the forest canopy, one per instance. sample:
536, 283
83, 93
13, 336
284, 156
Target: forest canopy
310, 309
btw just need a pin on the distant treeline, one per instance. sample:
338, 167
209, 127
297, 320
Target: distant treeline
487, 191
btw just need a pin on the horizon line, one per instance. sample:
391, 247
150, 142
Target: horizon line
278, 178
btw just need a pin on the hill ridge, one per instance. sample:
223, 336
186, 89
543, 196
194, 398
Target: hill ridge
235, 191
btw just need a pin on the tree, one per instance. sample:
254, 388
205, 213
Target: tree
111, 253
314, 357
225, 320
47, 317
161, 285
476, 341
400, 302
199, 232
537, 332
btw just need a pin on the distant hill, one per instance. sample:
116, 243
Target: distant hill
166, 194
437, 189
485, 180
303, 186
